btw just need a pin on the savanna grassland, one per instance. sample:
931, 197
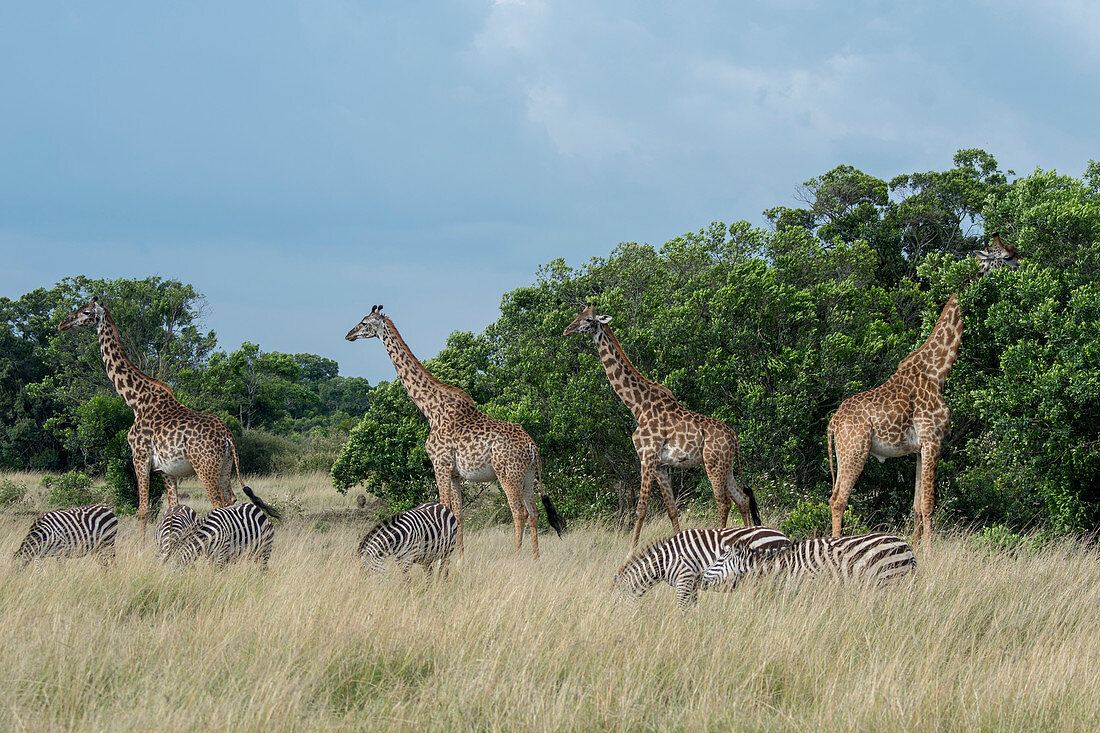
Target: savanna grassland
979, 640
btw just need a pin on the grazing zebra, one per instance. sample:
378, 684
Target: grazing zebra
421, 535
869, 559
682, 559
71, 533
177, 523
231, 531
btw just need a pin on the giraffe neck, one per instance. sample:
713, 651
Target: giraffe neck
633, 389
936, 357
136, 388
433, 398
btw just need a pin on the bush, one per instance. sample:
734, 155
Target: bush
11, 492
999, 538
70, 489
263, 452
815, 519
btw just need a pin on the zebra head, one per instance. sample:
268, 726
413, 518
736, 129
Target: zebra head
30, 549
736, 559
191, 546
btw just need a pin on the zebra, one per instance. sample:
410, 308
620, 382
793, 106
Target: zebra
70, 533
420, 535
682, 559
177, 523
872, 559
231, 531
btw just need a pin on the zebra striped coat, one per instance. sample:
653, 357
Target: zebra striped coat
175, 524
871, 559
71, 533
681, 560
229, 532
420, 535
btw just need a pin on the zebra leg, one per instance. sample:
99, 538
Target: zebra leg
687, 588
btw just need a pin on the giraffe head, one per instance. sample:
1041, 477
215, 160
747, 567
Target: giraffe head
85, 315
587, 321
370, 327
997, 255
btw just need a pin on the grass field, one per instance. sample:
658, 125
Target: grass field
978, 640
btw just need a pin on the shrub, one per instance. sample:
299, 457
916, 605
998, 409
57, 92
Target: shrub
11, 492
999, 538
70, 489
263, 452
815, 519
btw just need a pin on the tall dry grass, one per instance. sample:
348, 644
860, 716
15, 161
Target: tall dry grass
976, 641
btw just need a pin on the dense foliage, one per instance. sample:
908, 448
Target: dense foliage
767, 328
770, 329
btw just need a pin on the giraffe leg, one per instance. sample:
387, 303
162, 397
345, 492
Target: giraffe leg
212, 482
141, 473
444, 476
664, 480
719, 472
643, 497
851, 453
456, 507
515, 503
926, 490
171, 488
532, 518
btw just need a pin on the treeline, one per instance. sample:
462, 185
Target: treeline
770, 329
767, 328
58, 410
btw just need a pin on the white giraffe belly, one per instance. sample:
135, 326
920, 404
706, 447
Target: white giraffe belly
174, 464
909, 442
478, 473
677, 455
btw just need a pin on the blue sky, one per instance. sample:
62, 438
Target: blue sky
300, 162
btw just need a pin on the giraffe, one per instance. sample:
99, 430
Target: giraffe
907, 413
668, 434
465, 443
166, 436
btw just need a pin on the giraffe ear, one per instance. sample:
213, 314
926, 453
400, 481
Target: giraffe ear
603, 319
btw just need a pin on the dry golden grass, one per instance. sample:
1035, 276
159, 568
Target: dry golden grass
976, 641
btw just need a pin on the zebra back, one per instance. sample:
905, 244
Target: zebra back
71, 533
175, 524
687, 560
870, 558
227, 533
421, 535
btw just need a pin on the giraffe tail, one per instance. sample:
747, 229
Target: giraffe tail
263, 505
236, 461
552, 517
754, 509
556, 520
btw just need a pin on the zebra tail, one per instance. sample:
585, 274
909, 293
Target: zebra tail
556, 520
263, 505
